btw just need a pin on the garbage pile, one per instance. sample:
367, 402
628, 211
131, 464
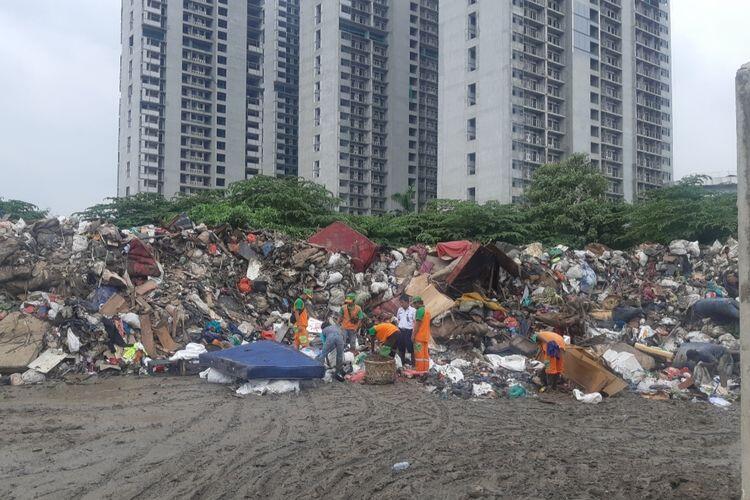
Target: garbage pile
78, 298
630, 319
86, 297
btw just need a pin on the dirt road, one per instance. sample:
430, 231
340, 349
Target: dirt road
129, 437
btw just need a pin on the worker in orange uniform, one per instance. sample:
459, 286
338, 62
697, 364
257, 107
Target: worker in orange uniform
421, 336
301, 318
351, 321
387, 336
551, 347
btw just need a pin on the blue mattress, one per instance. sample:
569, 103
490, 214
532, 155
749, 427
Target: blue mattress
264, 359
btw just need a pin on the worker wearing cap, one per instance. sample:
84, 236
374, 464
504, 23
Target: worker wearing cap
551, 347
301, 318
421, 336
387, 335
351, 320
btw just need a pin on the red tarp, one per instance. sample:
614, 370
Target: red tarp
453, 249
338, 237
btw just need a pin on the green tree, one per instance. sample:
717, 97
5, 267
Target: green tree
683, 211
136, 210
17, 209
405, 199
568, 202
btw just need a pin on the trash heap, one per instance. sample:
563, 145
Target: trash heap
78, 298
629, 316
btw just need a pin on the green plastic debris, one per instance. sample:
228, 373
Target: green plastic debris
516, 391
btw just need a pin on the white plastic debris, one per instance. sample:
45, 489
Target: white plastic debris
261, 387
32, 377
132, 320
460, 363
513, 362
450, 372
626, 365
591, 398
718, 401
334, 278
481, 389
191, 351
214, 376
74, 344
253, 269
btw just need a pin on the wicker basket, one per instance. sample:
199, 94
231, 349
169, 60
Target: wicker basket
380, 371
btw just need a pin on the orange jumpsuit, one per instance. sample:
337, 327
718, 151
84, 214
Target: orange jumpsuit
555, 365
422, 341
300, 331
384, 331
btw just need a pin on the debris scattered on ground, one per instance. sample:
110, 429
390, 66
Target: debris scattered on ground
82, 298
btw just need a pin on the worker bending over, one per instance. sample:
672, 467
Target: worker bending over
551, 347
387, 335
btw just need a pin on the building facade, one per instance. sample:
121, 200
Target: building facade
527, 82
208, 93
368, 100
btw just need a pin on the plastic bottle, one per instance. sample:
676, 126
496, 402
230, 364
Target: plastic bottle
400, 466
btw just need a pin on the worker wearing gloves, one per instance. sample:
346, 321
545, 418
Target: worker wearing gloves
333, 338
351, 320
421, 336
551, 347
387, 336
301, 318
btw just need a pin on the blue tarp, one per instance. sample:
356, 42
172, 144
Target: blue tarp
264, 359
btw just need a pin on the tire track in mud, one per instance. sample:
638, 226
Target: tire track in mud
181, 438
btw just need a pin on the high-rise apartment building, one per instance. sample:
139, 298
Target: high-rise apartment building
525, 82
208, 93
368, 99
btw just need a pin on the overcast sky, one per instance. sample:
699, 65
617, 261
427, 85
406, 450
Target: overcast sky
59, 93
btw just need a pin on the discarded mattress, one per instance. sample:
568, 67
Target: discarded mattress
264, 360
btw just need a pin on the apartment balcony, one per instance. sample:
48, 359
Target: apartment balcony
150, 99
152, 20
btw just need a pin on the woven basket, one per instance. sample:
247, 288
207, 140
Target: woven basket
379, 372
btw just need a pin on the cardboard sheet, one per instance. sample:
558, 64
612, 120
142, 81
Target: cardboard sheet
588, 372
435, 302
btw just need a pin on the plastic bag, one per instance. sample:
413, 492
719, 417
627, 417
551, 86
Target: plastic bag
450, 372
261, 387
214, 376
74, 344
481, 389
514, 362
191, 351
591, 398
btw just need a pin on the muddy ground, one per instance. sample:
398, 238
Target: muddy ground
130, 437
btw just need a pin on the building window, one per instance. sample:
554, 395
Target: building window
316, 92
317, 14
316, 169
471, 94
472, 26
220, 182
127, 190
471, 129
317, 39
128, 145
316, 142
471, 194
472, 59
317, 65
317, 117
471, 163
